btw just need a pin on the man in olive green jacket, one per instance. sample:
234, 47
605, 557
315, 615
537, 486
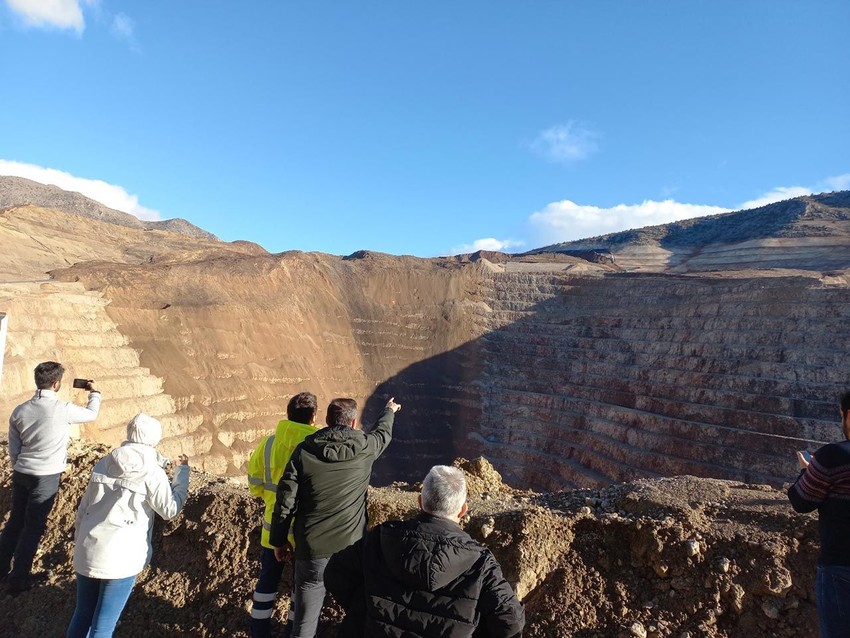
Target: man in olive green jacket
324, 489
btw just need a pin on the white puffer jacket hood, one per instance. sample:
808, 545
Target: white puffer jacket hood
126, 466
144, 429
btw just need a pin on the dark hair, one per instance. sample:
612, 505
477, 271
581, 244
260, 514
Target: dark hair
341, 412
302, 408
844, 402
48, 373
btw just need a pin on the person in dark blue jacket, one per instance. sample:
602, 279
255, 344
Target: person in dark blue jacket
424, 577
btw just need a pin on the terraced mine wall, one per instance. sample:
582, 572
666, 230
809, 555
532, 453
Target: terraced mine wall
591, 380
64, 321
563, 375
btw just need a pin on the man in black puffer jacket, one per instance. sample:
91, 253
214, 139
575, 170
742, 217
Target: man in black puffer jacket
425, 577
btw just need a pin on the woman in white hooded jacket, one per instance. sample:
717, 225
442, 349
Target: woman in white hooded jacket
115, 522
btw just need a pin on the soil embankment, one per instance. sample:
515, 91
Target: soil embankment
680, 557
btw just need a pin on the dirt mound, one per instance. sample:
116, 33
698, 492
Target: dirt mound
673, 557
481, 477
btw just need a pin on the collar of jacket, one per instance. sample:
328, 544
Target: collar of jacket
439, 521
45, 394
285, 424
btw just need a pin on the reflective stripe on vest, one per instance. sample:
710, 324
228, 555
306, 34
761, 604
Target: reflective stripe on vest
267, 457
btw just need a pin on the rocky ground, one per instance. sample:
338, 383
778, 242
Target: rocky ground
680, 557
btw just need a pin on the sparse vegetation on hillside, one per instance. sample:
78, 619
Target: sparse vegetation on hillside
791, 218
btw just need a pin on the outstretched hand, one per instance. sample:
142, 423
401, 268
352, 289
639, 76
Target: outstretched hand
182, 460
392, 405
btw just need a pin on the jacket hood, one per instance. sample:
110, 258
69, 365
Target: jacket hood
126, 465
335, 443
428, 555
144, 429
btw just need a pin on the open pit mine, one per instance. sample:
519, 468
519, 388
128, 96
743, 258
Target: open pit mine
711, 348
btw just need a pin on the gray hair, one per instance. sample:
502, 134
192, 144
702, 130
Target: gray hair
444, 491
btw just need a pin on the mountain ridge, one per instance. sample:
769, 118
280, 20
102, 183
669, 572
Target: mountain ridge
734, 226
19, 191
823, 216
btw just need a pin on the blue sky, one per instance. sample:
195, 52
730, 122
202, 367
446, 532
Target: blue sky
426, 128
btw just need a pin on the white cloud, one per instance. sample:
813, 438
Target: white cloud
107, 194
487, 243
780, 193
568, 221
776, 195
124, 28
838, 183
565, 142
68, 14
61, 14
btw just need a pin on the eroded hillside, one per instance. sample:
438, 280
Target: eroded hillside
680, 557
235, 337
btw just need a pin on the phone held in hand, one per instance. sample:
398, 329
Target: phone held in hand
806, 456
81, 384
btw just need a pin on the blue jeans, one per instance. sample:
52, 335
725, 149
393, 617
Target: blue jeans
32, 500
99, 605
308, 597
265, 595
833, 592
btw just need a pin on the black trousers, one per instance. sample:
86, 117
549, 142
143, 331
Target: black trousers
32, 500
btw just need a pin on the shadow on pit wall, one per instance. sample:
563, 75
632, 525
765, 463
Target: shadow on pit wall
626, 376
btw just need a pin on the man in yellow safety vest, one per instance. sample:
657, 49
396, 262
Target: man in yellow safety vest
265, 468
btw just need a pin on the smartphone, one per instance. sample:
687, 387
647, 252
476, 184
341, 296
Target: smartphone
806, 456
81, 383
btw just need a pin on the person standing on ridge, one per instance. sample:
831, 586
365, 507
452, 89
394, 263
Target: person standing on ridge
824, 485
114, 525
265, 468
38, 449
324, 489
424, 577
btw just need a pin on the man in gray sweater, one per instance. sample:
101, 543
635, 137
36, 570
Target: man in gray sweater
38, 447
